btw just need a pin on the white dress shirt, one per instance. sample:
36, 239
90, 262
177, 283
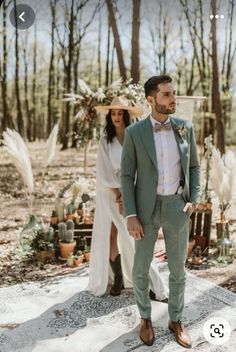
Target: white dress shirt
168, 160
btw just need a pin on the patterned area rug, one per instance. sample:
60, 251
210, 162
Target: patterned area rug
61, 315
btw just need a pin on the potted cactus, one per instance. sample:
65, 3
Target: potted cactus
66, 239
70, 211
78, 258
60, 209
86, 254
44, 244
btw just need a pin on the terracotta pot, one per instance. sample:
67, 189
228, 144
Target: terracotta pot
201, 206
54, 220
77, 219
208, 206
87, 256
79, 261
88, 221
70, 216
197, 260
66, 249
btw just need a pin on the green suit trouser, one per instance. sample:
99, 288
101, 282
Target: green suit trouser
168, 214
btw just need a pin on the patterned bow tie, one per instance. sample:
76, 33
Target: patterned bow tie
162, 127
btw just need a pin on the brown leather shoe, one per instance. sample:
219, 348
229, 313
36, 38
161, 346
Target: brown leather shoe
146, 332
181, 334
153, 297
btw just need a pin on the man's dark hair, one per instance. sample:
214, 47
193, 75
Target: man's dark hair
151, 86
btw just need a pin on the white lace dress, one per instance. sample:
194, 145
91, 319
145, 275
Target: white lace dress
106, 212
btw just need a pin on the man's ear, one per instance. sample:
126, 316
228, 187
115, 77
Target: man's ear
150, 99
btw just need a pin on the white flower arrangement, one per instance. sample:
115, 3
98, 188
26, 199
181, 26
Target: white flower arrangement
87, 100
80, 186
88, 120
223, 169
209, 146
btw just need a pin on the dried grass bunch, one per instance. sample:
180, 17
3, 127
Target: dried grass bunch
223, 170
16, 147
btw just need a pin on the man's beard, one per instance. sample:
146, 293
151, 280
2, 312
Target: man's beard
162, 109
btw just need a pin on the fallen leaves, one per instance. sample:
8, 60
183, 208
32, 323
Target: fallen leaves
9, 326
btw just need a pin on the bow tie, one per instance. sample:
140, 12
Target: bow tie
162, 127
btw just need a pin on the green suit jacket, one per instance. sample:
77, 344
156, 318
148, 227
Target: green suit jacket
139, 169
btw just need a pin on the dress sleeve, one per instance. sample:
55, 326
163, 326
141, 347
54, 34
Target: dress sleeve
105, 173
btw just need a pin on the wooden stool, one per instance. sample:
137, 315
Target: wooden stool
200, 228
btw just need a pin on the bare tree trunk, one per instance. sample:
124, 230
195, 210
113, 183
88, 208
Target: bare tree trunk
112, 64
76, 76
228, 58
68, 55
27, 108
34, 99
99, 49
159, 32
216, 103
7, 119
135, 59
68, 77
108, 55
117, 43
20, 121
201, 53
51, 79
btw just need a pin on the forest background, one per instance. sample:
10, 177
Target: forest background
99, 42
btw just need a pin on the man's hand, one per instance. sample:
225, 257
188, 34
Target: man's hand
135, 228
189, 208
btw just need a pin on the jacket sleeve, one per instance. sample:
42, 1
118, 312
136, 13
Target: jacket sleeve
128, 172
194, 171
105, 173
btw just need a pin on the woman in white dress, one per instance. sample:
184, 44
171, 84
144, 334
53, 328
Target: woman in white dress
111, 241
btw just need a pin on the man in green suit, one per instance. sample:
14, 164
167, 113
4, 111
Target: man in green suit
160, 179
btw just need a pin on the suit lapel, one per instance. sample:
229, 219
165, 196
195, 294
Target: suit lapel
181, 143
146, 136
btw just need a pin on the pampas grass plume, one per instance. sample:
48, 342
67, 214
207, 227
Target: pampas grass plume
16, 147
51, 146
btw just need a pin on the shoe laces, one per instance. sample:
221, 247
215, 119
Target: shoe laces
180, 325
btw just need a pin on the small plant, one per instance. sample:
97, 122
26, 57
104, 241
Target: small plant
67, 242
66, 231
81, 243
79, 253
62, 231
69, 238
60, 208
70, 225
44, 240
78, 258
70, 208
86, 254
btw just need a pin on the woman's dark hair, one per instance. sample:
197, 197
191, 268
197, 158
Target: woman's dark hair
110, 130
